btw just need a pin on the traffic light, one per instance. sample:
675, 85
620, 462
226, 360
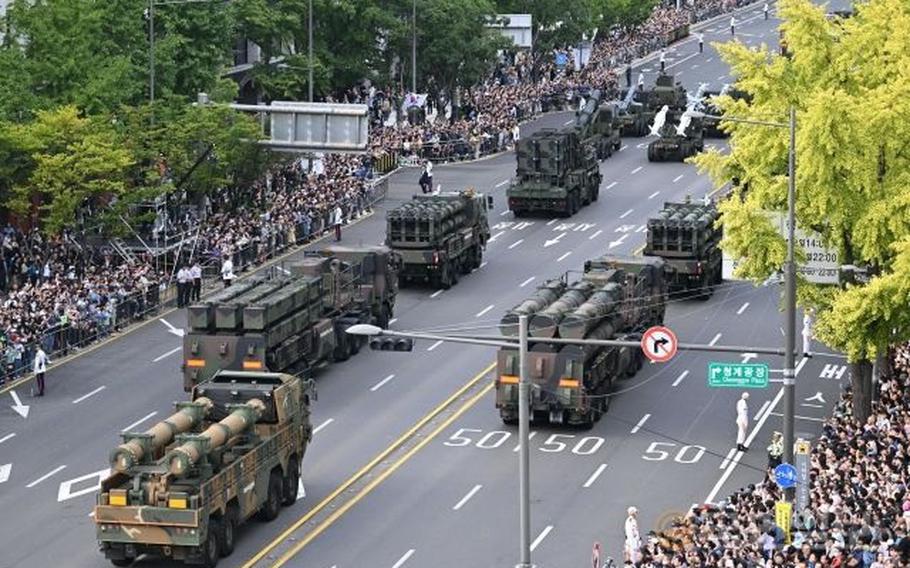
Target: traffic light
391, 344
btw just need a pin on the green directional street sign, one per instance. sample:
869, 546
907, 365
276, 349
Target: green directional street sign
738, 375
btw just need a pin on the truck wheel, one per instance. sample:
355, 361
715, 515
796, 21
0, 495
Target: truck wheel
272, 505
290, 483
508, 418
383, 319
229, 531
478, 257
210, 550
454, 269
342, 350
518, 213
595, 194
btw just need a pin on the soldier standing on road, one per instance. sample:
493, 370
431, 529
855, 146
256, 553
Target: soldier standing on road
196, 274
40, 367
742, 421
641, 81
663, 60
227, 270
633, 538
732, 26
701, 42
183, 279
766, 10
338, 215
808, 320
775, 450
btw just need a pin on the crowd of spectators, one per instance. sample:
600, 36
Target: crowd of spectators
54, 292
859, 513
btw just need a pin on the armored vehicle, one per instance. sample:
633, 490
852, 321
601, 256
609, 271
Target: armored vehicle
617, 297
640, 105
687, 236
181, 489
439, 236
557, 173
595, 124
681, 136
294, 319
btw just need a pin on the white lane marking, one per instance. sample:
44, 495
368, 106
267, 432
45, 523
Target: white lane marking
758, 426
436, 293
45, 476
4, 472
623, 147
723, 464
636, 170
618, 241
640, 423
85, 396
410, 552
526, 282
435, 345
742, 308
709, 60
323, 425
92, 514
810, 405
65, 491
530, 436
694, 66
393, 320
496, 236
721, 78
600, 469
467, 497
626, 214
683, 60
677, 178
378, 385
504, 213
680, 378
761, 410
138, 422
612, 184
543, 534
551, 222
483, 311
563, 256
594, 236
516, 243
168, 354
713, 341
568, 122
811, 418
502, 183
7, 437
482, 264
301, 490
748, 357
642, 145
171, 329
653, 195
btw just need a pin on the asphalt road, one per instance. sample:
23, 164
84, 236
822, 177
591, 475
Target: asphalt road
60, 451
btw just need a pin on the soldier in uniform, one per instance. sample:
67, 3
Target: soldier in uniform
632, 546
196, 275
40, 367
183, 284
742, 421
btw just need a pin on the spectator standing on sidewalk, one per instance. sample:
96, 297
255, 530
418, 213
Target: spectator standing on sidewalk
40, 367
196, 275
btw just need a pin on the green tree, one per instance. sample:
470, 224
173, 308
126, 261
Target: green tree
848, 82
71, 162
623, 13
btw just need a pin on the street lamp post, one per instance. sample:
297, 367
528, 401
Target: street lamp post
310, 50
524, 428
789, 378
414, 47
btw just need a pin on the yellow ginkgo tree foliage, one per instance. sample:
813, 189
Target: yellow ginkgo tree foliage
849, 81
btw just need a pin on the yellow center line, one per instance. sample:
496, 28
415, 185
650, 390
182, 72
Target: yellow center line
287, 556
363, 471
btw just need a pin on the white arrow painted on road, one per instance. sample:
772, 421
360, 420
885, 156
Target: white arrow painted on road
21, 409
747, 356
175, 330
301, 492
551, 242
618, 241
4, 472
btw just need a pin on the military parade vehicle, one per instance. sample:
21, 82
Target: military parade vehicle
640, 105
595, 123
616, 297
439, 236
680, 136
557, 173
181, 489
294, 319
687, 236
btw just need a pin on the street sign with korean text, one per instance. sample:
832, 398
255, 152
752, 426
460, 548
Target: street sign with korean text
738, 375
785, 476
783, 517
801, 458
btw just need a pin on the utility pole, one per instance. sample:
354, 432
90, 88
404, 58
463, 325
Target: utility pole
310, 50
790, 300
414, 47
524, 428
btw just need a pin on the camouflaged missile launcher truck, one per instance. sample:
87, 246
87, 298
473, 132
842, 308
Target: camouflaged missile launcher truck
439, 236
687, 236
617, 297
293, 320
181, 490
